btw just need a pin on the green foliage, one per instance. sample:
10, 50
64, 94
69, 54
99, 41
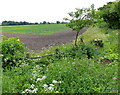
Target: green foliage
7, 23
71, 70
18, 78
80, 51
58, 22
111, 14
12, 51
81, 76
80, 69
62, 76
81, 18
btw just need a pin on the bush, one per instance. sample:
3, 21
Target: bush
12, 51
80, 51
111, 15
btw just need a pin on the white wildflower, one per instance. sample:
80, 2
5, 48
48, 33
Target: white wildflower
32, 86
37, 67
23, 92
54, 81
27, 91
39, 79
57, 92
45, 85
73, 62
40, 68
95, 39
51, 88
52, 85
14, 61
22, 63
34, 71
44, 77
5, 60
44, 65
1, 55
18, 40
35, 90
60, 81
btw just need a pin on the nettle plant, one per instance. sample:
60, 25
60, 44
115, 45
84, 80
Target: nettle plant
12, 51
81, 18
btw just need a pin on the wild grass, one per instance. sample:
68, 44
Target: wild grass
94, 33
71, 70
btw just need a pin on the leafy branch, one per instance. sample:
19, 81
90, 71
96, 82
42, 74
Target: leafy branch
81, 18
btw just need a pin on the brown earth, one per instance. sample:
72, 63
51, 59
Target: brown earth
38, 42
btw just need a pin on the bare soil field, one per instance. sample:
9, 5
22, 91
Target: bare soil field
38, 42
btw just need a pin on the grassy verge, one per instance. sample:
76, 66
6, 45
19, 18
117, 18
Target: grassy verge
43, 29
83, 69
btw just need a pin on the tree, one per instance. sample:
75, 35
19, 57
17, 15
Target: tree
36, 23
44, 22
81, 18
111, 14
4, 23
58, 22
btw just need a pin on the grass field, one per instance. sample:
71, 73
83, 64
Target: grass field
43, 29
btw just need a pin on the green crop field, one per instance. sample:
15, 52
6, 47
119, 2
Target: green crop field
43, 29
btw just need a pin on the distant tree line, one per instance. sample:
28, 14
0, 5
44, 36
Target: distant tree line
6, 23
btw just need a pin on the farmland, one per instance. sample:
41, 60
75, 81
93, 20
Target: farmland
42, 29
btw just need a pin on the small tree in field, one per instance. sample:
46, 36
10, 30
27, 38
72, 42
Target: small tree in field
81, 18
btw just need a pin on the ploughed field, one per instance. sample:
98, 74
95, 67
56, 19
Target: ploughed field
37, 37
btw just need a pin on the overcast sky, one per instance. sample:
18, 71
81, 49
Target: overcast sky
42, 10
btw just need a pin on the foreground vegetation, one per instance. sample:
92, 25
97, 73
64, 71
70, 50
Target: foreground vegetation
42, 29
88, 66
83, 69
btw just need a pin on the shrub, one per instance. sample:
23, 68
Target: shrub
12, 51
110, 13
80, 51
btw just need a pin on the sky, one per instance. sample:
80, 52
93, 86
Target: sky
42, 10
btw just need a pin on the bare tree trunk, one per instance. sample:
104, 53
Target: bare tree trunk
76, 38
